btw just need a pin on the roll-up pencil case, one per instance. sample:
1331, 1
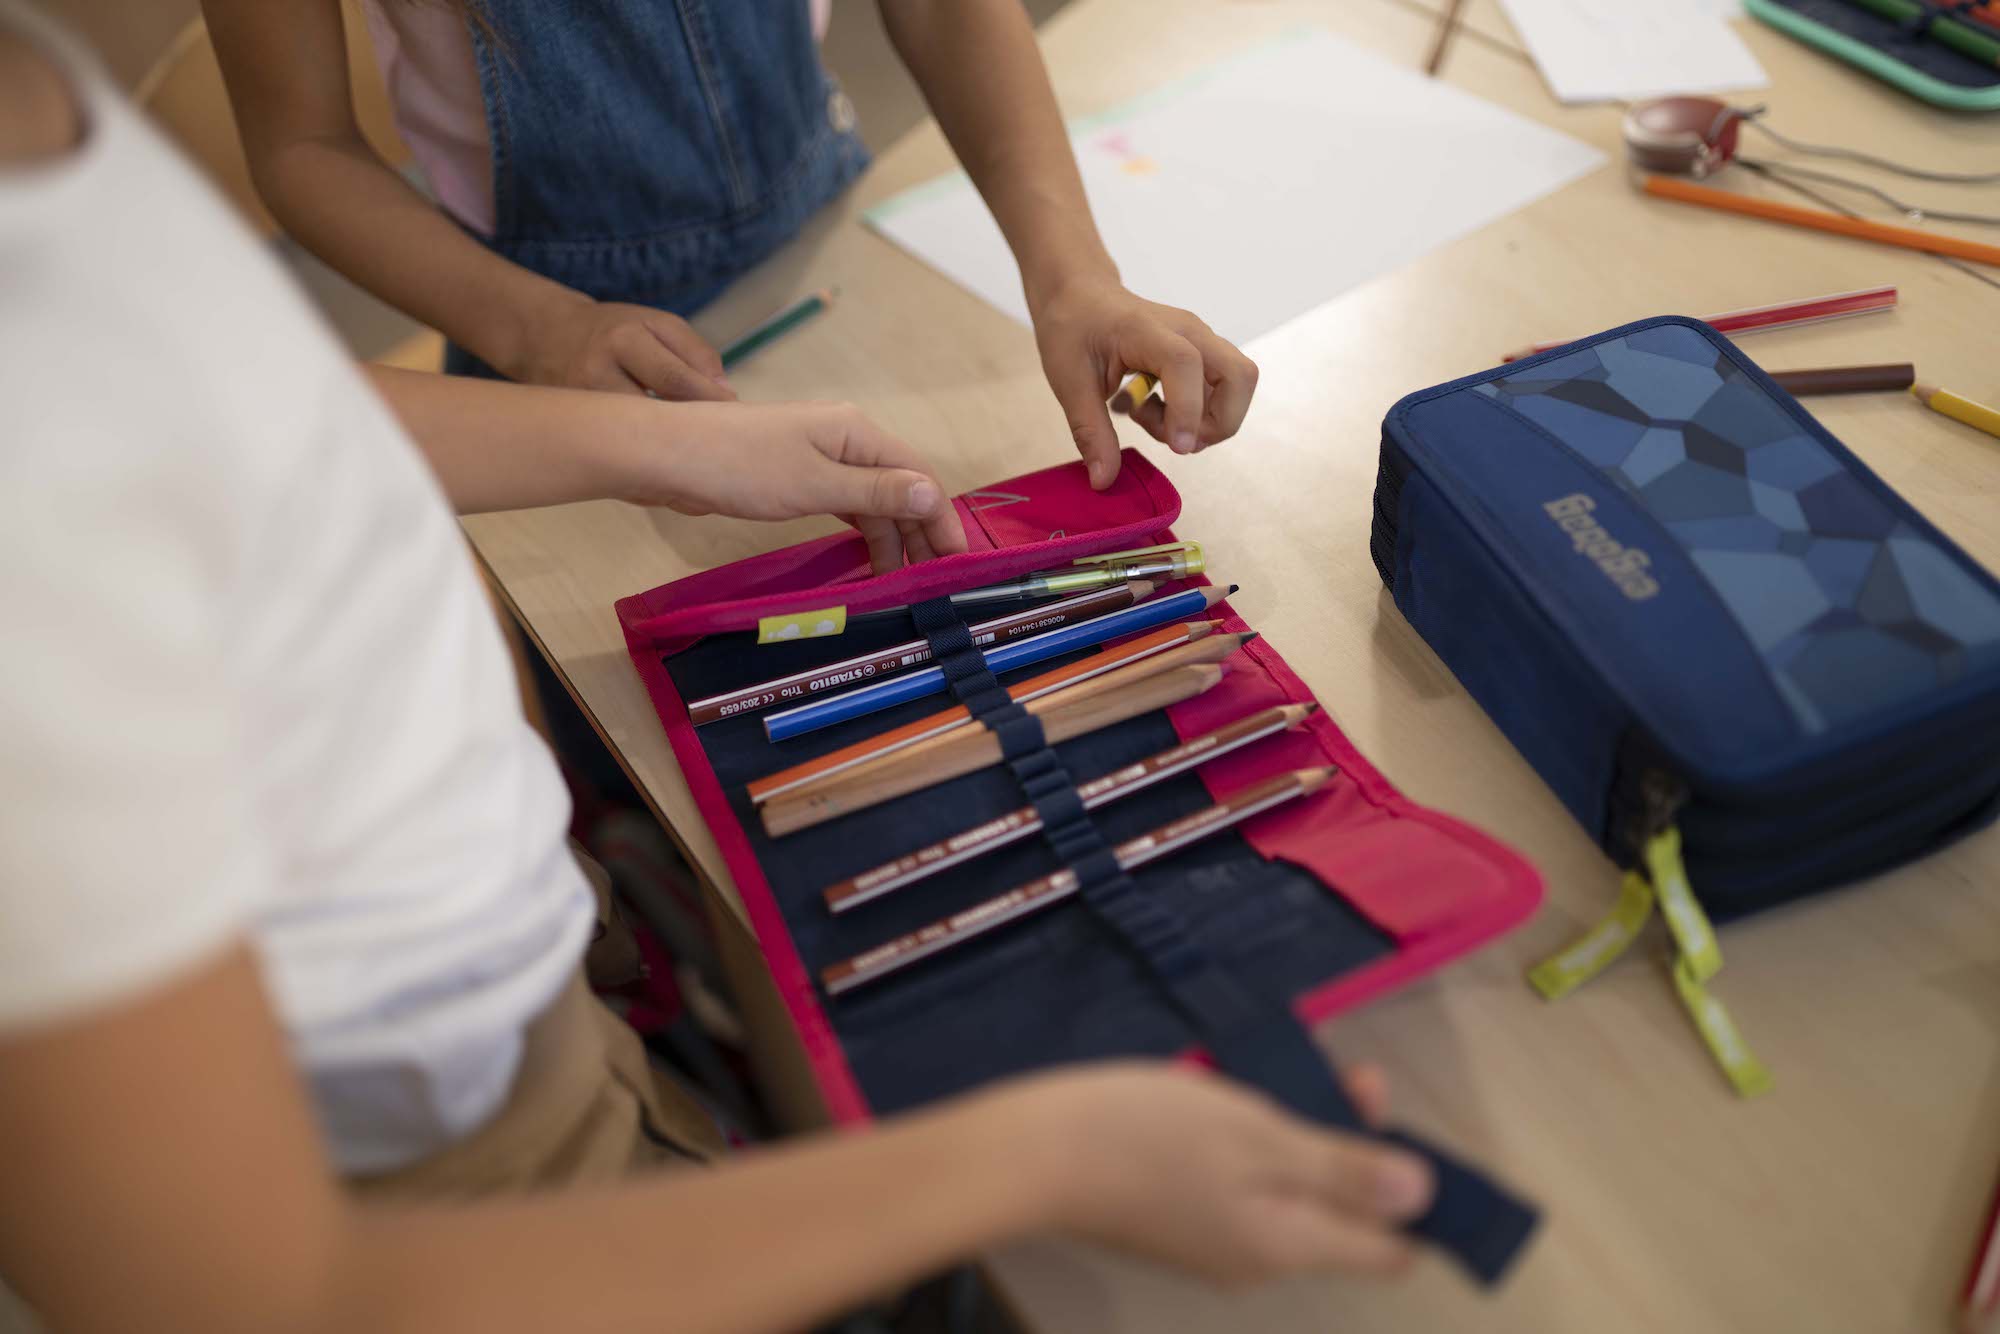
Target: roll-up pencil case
1220, 951
1906, 55
1748, 667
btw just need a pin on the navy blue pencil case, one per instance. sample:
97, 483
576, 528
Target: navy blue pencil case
1693, 610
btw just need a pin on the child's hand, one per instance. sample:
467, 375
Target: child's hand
789, 460
1093, 333
1192, 1169
623, 348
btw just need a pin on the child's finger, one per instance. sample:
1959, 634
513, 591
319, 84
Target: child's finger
1081, 393
1176, 364
689, 346
1232, 380
654, 366
885, 542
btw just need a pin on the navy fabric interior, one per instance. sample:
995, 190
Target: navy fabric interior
1052, 988
1917, 51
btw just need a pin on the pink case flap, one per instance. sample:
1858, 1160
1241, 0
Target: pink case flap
1436, 886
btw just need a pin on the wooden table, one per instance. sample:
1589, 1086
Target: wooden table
1846, 1200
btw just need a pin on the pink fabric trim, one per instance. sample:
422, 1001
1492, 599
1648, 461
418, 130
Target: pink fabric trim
1467, 888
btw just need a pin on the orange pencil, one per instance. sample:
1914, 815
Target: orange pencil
1909, 238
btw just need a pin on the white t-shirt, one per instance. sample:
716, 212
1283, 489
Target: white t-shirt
250, 685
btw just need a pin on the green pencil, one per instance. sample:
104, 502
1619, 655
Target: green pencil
780, 324
1960, 37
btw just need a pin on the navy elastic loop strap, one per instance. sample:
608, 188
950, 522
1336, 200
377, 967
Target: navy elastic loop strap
1470, 1217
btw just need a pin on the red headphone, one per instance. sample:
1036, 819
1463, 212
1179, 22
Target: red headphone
1683, 135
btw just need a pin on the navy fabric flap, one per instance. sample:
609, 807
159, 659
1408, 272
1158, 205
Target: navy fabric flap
1763, 606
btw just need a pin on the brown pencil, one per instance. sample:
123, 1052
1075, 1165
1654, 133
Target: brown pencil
940, 935
1847, 379
1447, 26
970, 749
885, 662
919, 756
1019, 824
944, 720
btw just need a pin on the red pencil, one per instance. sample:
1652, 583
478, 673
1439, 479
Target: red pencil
1982, 1285
1783, 314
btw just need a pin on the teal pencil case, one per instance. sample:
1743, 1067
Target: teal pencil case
1906, 55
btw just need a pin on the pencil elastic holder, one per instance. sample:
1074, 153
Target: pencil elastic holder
1221, 952
1905, 56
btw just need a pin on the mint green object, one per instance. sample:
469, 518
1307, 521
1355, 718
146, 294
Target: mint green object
1874, 60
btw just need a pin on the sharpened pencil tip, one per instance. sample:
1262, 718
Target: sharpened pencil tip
1246, 636
1312, 780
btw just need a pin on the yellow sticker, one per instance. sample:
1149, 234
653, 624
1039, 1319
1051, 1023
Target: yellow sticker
1746, 1074
802, 625
1685, 918
1593, 951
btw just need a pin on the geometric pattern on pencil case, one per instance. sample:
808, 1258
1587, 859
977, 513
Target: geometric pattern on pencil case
1850, 607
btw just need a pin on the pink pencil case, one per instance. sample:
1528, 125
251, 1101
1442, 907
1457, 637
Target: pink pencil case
1221, 951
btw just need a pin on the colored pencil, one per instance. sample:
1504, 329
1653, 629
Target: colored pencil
1447, 26
1016, 903
922, 753
1958, 408
973, 748
1847, 379
1908, 238
945, 720
879, 695
780, 324
1133, 392
1980, 1307
1963, 38
1784, 314
1019, 824
867, 666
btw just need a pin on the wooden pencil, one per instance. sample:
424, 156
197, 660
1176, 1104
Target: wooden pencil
1018, 824
944, 720
1909, 238
1847, 379
1447, 26
1210, 649
1959, 408
970, 749
899, 657
1016, 903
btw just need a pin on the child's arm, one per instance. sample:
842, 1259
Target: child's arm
978, 65
286, 66
509, 446
163, 1173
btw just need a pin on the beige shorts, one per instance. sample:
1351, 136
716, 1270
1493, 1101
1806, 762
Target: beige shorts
586, 1109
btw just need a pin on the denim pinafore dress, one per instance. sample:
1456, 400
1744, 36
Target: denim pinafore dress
654, 150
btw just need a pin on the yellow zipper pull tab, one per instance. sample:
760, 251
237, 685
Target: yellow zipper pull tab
1698, 959
1593, 951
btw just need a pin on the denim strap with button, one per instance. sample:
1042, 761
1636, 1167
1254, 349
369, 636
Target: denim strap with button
1250, 1038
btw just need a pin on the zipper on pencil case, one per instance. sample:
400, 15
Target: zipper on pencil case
1658, 875
1729, 826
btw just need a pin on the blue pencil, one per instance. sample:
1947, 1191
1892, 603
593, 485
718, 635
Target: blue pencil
873, 698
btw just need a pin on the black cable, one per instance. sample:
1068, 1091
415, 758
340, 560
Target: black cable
1846, 212
1912, 210
1754, 118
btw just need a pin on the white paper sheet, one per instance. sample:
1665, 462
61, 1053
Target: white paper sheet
1267, 185
1609, 50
